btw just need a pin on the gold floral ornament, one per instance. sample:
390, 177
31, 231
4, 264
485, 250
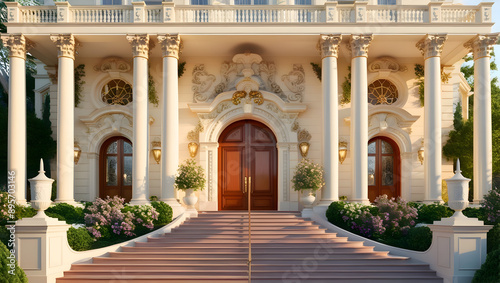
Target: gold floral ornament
382, 92
237, 96
117, 92
255, 95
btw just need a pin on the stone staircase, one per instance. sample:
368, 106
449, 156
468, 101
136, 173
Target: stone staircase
285, 248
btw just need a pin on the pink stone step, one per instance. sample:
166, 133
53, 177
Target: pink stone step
267, 231
223, 245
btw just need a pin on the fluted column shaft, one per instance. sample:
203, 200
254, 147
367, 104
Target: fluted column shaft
483, 150
170, 45
431, 47
65, 117
329, 45
359, 117
140, 159
16, 140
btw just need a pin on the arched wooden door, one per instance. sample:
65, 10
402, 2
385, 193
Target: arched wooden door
248, 165
115, 168
384, 168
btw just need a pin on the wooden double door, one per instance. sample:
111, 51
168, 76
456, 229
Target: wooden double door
384, 168
115, 169
247, 167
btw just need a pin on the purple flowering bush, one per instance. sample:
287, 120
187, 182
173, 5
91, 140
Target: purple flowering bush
491, 206
397, 215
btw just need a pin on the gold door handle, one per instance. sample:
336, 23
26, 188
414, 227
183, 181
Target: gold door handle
246, 184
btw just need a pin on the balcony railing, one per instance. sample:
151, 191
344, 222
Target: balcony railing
331, 12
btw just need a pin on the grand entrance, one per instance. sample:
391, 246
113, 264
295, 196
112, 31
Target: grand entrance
384, 168
115, 168
247, 166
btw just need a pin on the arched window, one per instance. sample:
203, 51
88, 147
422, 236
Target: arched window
117, 92
382, 92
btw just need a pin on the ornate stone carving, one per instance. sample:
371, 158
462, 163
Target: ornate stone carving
171, 45
295, 126
328, 45
112, 65
202, 82
386, 64
17, 45
359, 44
482, 45
255, 95
52, 72
295, 82
66, 45
432, 45
303, 135
214, 113
194, 135
140, 45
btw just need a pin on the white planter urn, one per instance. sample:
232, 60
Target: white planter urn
458, 192
190, 199
41, 189
307, 198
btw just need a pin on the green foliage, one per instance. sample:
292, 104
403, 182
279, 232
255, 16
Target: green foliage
473, 212
4, 235
490, 270
152, 94
190, 176
428, 213
79, 239
346, 88
7, 272
53, 193
419, 238
317, 70
24, 212
493, 238
181, 68
164, 213
66, 212
79, 82
458, 120
308, 176
40, 144
420, 74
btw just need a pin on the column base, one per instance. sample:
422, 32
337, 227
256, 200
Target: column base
363, 201
177, 208
139, 202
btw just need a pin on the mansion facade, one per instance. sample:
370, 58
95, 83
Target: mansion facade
248, 89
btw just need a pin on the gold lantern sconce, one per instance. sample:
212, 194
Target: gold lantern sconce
193, 149
304, 148
421, 153
342, 151
156, 149
78, 152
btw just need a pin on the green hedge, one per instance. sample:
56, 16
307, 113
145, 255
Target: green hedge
7, 274
165, 213
490, 270
66, 212
79, 239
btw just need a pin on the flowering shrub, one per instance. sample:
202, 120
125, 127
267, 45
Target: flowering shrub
106, 217
13, 211
491, 205
143, 215
190, 176
397, 215
308, 175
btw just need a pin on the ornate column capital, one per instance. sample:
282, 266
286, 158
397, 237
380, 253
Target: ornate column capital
171, 45
66, 45
140, 45
328, 45
482, 45
432, 45
359, 44
17, 45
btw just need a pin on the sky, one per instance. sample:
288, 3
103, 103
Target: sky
496, 27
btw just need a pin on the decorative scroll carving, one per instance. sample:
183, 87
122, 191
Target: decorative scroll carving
255, 95
66, 45
303, 135
202, 82
140, 45
482, 45
386, 64
52, 72
432, 45
328, 45
194, 135
17, 45
113, 64
171, 45
295, 82
214, 113
359, 45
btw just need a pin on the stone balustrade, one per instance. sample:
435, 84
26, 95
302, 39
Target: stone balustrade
331, 12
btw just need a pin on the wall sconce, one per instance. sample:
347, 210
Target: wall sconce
78, 152
156, 151
342, 151
193, 149
421, 153
304, 148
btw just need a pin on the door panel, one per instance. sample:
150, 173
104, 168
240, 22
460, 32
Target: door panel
247, 151
384, 168
115, 169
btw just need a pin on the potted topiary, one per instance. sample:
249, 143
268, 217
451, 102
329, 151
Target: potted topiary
308, 178
190, 177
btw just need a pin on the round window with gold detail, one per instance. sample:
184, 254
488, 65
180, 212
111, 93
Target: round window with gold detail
382, 92
117, 92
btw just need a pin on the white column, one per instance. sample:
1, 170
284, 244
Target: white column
140, 142
65, 117
431, 47
329, 46
483, 167
170, 45
359, 117
16, 152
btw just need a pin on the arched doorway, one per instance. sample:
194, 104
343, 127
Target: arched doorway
384, 168
247, 165
115, 168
